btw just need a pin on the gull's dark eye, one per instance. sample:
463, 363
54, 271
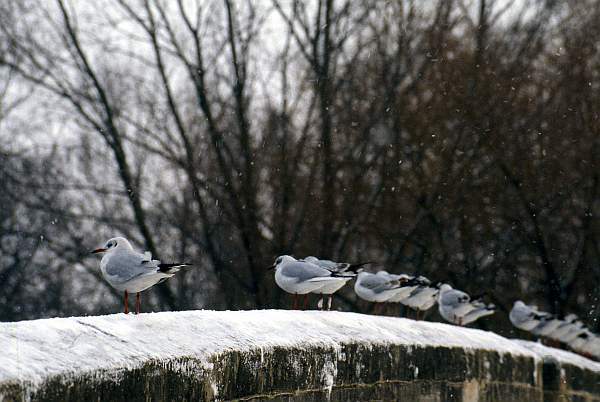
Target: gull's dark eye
278, 261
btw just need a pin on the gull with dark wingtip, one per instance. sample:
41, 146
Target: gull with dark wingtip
131, 272
299, 277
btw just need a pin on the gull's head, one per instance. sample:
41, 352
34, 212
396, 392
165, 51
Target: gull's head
281, 260
571, 318
423, 281
114, 244
519, 304
445, 287
363, 274
404, 278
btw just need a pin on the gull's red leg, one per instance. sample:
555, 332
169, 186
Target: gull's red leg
126, 302
305, 304
138, 303
330, 302
295, 301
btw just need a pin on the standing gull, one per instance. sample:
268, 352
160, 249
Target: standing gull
526, 317
548, 325
584, 342
406, 282
301, 278
339, 269
570, 323
573, 331
456, 306
131, 272
380, 287
411, 292
331, 287
568, 330
423, 297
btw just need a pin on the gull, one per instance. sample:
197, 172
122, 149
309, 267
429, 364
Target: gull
453, 304
339, 269
588, 344
582, 340
480, 310
414, 291
526, 317
545, 324
379, 288
456, 306
570, 323
406, 285
330, 288
131, 272
574, 330
301, 278
423, 297
548, 324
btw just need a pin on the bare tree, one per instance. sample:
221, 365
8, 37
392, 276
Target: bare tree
455, 139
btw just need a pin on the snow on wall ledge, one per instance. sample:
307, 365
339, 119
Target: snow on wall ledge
279, 355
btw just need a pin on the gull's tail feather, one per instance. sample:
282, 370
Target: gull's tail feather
172, 268
479, 313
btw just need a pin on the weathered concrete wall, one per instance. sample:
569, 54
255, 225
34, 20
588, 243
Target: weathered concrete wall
282, 356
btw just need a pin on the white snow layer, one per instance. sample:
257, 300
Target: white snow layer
563, 356
32, 351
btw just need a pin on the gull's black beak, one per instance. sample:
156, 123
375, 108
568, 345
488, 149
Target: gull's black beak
272, 267
98, 250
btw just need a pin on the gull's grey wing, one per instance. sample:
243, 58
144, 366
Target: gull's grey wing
128, 265
311, 259
304, 271
327, 264
378, 283
524, 312
477, 313
520, 316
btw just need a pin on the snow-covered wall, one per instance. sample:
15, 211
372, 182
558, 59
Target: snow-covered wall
286, 355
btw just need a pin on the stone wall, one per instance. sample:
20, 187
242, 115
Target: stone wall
349, 367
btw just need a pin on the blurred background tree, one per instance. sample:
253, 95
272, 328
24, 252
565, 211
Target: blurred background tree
453, 139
